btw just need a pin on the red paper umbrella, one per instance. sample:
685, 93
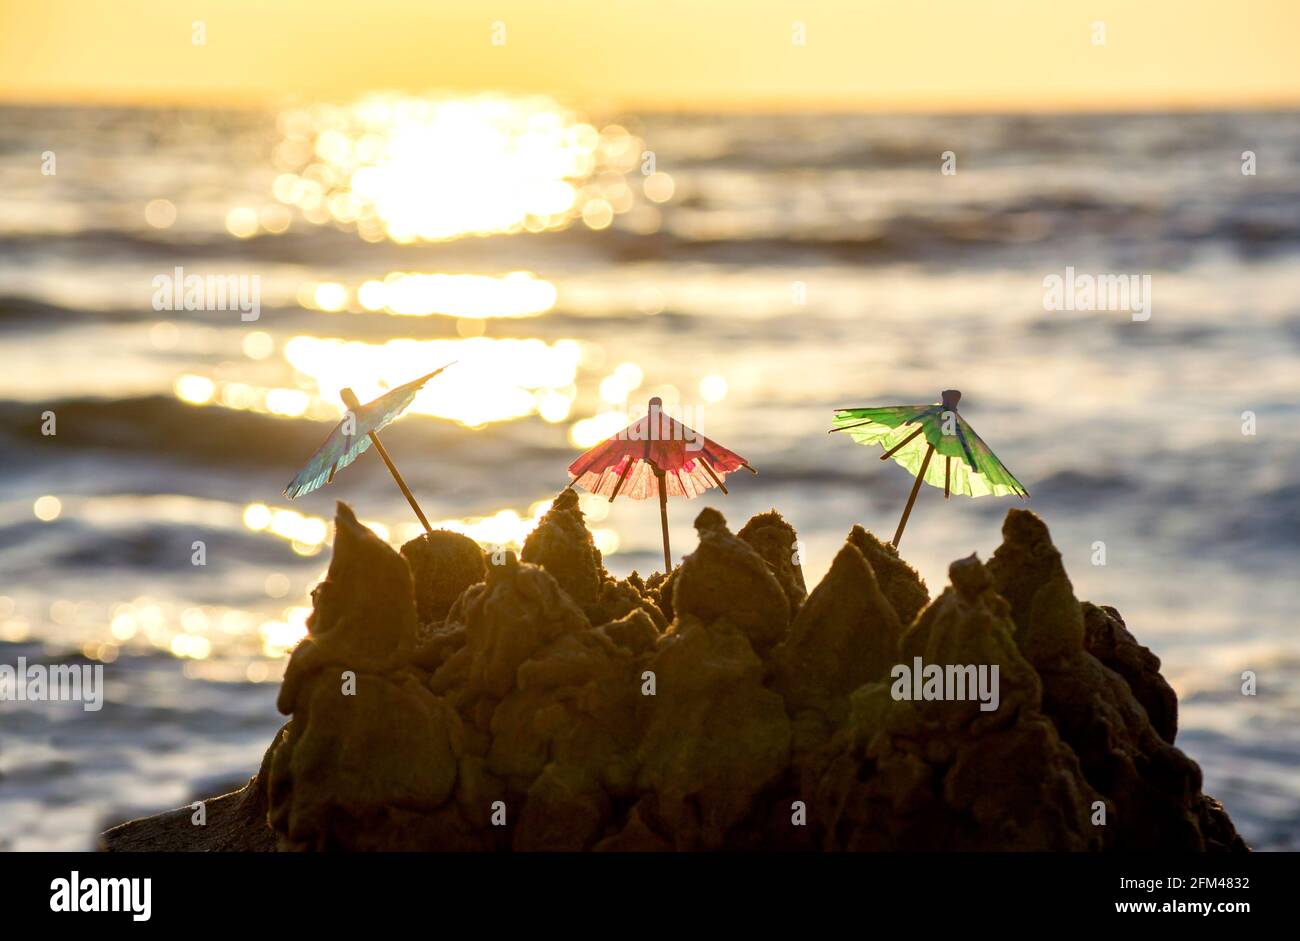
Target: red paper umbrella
656, 455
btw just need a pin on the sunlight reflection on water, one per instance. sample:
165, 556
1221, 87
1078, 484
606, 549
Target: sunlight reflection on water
193, 630
492, 380
420, 169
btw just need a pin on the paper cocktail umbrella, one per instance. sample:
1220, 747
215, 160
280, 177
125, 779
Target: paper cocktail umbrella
657, 455
354, 434
911, 434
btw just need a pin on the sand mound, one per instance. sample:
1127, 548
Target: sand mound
447, 701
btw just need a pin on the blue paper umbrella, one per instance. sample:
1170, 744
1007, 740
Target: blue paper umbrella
353, 435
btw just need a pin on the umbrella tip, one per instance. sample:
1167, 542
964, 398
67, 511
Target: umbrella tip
656, 402
950, 398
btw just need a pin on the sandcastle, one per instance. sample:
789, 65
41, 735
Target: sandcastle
448, 700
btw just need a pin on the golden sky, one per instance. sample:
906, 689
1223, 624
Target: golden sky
735, 54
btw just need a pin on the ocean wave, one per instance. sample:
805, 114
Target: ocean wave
22, 312
162, 426
164, 432
702, 227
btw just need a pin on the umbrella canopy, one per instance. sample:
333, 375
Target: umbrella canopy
630, 463
907, 432
349, 440
657, 455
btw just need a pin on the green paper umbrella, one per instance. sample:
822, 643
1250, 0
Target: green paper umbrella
911, 434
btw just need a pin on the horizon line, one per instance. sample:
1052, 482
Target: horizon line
731, 106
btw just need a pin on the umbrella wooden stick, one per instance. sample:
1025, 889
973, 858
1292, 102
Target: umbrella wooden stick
621, 477
663, 519
890, 453
354, 405
907, 510
705, 462
947, 475
654, 431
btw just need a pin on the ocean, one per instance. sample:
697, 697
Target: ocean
183, 294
